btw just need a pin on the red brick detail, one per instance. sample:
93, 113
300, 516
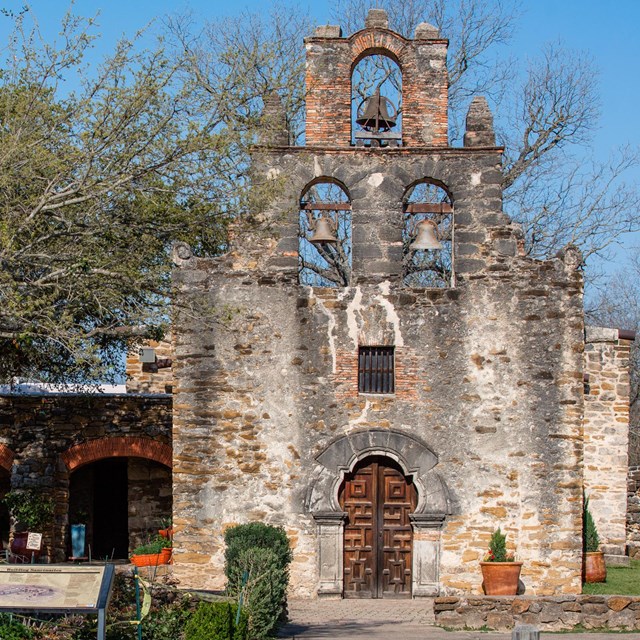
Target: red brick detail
406, 374
117, 447
367, 42
6, 457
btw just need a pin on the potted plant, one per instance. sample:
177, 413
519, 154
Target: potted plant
500, 571
167, 529
32, 513
155, 552
593, 565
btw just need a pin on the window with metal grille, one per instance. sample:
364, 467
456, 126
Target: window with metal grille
375, 370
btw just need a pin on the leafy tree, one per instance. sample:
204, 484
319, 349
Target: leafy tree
101, 170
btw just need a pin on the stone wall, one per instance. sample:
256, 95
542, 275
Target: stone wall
150, 378
45, 438
606, 431
613, 613
633, 511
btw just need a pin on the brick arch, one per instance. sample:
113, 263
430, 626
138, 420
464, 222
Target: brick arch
6, 457
369, 42
117, 447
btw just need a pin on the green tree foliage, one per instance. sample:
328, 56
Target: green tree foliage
101, 170
590, 537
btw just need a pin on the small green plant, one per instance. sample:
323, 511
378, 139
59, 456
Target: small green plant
31, 510
590, 537
498, 548
216, 621
155, 545
11, 629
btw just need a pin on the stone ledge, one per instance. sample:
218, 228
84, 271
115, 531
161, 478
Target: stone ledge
547, 613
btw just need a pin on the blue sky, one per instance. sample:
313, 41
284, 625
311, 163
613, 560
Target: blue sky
609, 34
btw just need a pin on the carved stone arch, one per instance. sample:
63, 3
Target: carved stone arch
428, 180
325, 179
120, 446
417, 460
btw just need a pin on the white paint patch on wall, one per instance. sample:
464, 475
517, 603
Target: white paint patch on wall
354, 315
331, 325
376, 179
392, 315
476, 179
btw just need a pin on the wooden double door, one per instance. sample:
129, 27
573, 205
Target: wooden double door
378, 537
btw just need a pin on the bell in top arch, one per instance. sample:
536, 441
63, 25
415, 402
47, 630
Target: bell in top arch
373, 113
426, 236
323, 232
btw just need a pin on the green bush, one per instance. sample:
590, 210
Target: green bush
11, 629
256, 534
590, 537
265, 589
216, 621
156, 545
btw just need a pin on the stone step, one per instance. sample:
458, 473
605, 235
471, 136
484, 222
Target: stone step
616, 560
613, 549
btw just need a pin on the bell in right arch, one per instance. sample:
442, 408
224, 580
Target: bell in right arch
426, 236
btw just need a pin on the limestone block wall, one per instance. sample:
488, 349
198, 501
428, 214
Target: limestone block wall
145, 378
490, 382
606, 431
633, 511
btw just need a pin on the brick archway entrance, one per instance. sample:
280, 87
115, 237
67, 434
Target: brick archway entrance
378, 537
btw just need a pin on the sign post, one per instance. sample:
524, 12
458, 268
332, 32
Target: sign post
57, 589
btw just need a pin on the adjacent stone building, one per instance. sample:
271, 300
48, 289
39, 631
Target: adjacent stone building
389, 427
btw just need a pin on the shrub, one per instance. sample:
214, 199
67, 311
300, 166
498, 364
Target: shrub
260, 555
216, 621
11, 629
590, 537
498, 548
264, 594
256, 534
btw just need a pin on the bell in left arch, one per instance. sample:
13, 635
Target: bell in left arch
426, 237
323, 232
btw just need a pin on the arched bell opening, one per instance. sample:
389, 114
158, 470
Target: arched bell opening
378, 500
427, 236
376, 100
324, 247
122, 501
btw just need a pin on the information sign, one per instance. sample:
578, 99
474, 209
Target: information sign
57, 589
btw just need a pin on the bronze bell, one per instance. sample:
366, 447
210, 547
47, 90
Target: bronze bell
375, 113
426, 236
323, 232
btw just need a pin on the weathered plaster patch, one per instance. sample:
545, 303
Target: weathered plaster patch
376, 179
331, 325
392, 315
317, 169
476, 179
353, 315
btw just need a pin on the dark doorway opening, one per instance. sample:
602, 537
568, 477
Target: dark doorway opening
378, 537
5, 487
98, 497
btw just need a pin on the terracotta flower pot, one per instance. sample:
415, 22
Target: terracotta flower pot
594, 567
165, 555
500, 578
166, 533
19, 550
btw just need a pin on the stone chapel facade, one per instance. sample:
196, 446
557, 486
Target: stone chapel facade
391, 493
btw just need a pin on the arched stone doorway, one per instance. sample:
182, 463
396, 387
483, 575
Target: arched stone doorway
415, 461
6, 464
378, 500
120, 488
